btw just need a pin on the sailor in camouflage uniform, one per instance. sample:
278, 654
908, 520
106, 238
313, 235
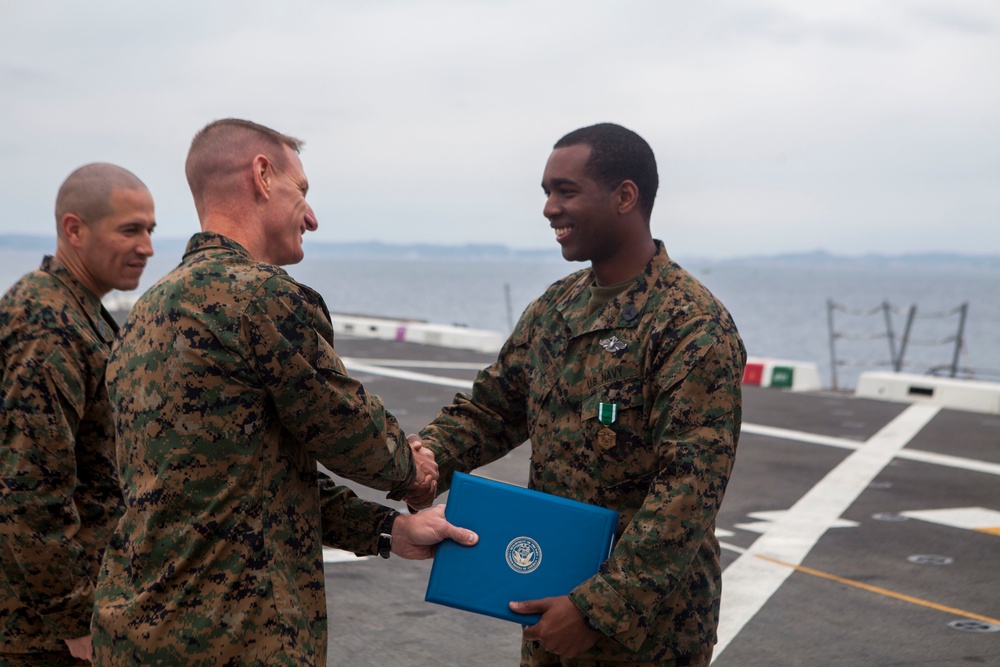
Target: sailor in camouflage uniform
626, 379
227, 392
59, 495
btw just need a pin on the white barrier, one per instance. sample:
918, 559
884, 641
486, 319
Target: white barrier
782, 374
462, 338
969, 395
761, 372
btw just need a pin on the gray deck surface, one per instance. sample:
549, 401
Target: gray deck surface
922, 575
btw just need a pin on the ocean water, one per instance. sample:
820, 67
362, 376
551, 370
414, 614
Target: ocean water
780, 309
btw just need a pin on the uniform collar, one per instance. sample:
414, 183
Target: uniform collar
208, 240
100, 319
623, 311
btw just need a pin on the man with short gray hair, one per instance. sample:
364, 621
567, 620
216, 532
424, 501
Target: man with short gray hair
227, 392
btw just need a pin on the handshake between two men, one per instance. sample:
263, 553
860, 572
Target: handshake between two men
414, 537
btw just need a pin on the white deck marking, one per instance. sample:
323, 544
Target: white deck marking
970, 518
331, 555
749, 582
949, 461
419, 363
800, 436
918, 455
355, 365
766, 518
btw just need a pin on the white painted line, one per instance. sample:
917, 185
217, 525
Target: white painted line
331, 555
731, 547
918, 455
766, 518
406, 375
418, 363
800, 436
969, 518
949, 461
749, 582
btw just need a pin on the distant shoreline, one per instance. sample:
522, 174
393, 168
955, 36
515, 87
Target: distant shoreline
475, 251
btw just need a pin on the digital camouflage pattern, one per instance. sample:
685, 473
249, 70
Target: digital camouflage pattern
667, 354
227, 392
59, 495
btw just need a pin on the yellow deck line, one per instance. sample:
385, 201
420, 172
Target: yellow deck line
883, 591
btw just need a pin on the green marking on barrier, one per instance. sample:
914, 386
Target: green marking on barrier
782, 376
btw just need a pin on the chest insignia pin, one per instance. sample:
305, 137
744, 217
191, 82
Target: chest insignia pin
612, 344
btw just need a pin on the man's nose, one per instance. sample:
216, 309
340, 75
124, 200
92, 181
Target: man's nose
549, 210
145, 247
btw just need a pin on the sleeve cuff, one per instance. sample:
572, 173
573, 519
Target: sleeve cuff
608, 612
381, 517
73, 621
400, 490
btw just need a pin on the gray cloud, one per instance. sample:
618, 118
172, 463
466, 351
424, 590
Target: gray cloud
858, 126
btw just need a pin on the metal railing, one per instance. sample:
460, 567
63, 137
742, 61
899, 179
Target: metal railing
898, 345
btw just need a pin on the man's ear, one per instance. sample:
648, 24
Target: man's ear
73, 227
263, 173
627, 196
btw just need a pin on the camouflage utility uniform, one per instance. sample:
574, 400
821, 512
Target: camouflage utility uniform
227, 391
59, 495
666, 361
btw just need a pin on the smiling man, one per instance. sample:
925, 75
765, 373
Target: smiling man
626, 378
227, 392
59, 495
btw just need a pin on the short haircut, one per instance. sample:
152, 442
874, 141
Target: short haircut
86, 192
618, 154
223, 147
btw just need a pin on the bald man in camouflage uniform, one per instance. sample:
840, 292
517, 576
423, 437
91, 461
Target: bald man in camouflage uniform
59, 495
227, 391
626, 378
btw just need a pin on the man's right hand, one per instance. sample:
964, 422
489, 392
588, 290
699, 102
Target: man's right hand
424, 490
81, 648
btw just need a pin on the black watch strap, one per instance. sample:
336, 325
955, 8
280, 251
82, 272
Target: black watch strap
385, 534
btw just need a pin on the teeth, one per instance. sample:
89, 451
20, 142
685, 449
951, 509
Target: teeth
561, 232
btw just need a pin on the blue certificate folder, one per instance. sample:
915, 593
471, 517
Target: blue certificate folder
531, 545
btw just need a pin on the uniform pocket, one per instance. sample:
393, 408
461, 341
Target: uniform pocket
625, 394
624, 455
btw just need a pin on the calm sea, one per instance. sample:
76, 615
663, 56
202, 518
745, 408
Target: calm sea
781, 310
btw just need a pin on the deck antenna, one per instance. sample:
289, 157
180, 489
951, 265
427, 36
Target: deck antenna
510, 310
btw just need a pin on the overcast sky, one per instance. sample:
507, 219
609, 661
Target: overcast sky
853, 126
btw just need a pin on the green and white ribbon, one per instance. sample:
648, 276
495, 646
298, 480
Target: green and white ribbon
607, 413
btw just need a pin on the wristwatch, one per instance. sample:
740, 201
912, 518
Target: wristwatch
385, 534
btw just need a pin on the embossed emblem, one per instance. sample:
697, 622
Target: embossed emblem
524, 555
612, 344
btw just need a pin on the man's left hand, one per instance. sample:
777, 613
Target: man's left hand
415, 536
562, 630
